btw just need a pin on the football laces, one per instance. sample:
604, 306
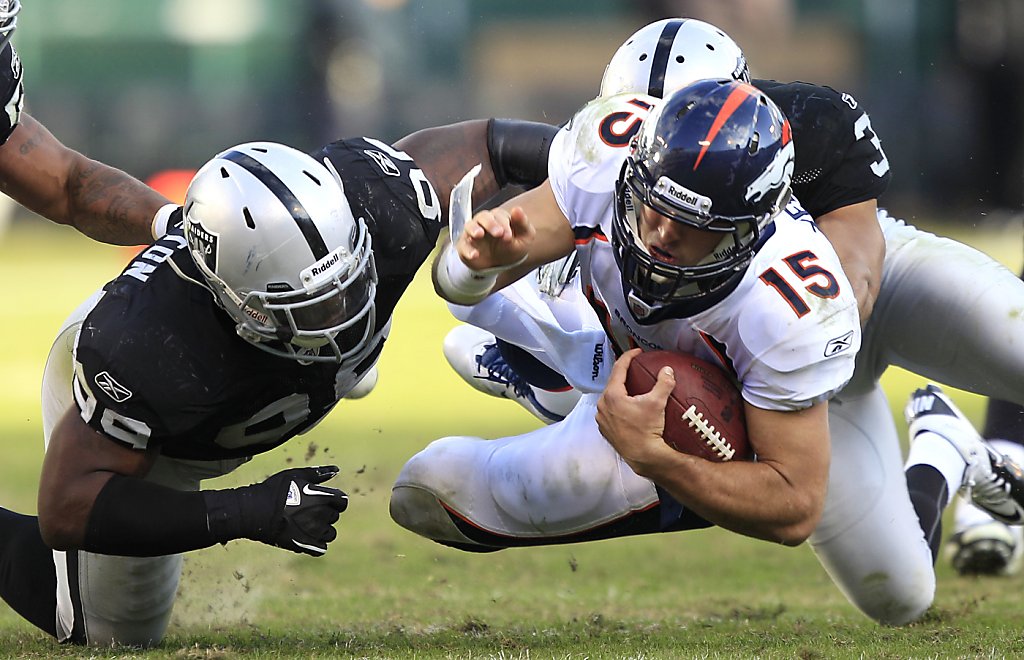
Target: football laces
712, 438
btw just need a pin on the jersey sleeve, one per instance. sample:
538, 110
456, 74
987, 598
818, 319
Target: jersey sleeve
401, 209
799, 325
587, 153
12, 91
839, 157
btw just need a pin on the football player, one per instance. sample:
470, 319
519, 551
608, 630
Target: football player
673, 257
840, 172
57, 182
237, 330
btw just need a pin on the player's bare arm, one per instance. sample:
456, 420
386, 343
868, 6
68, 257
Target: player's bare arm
59, 183
857, 238
92, 497
777, 498
510, 152
505, 243
446, 153
79, 462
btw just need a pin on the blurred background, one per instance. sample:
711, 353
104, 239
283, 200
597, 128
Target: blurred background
164, 84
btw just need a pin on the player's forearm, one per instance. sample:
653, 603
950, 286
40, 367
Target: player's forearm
113, 514
749, 498
60, 184
858, 241
109, 205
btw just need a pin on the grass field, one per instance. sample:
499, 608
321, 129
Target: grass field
383, 592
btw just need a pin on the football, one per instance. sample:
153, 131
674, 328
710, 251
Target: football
704, 413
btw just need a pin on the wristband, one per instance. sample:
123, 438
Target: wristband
461, 284
160, 220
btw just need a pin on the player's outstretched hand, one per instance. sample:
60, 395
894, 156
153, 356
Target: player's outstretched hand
495, 238
303, 511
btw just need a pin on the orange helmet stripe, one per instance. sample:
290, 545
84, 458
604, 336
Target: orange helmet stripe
742, 92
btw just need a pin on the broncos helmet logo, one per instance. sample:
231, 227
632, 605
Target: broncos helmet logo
776, 176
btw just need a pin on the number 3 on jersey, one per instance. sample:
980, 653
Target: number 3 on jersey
822, 283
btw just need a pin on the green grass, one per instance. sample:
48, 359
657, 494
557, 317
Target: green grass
383, 592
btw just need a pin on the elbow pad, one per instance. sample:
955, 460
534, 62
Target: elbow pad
519, 151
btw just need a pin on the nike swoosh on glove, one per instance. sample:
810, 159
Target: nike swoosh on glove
307, 510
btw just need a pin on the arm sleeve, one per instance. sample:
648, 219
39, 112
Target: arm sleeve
519, 151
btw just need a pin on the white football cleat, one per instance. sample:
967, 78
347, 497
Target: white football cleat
992, 481
473, 354
991, 548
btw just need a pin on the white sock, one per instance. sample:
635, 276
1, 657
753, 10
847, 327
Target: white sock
932, 449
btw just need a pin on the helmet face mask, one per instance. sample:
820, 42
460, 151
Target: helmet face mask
716, 156
273, 235
9, 10
667, 55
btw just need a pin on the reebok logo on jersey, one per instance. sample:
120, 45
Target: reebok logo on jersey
383, 161
114, 389
839, 344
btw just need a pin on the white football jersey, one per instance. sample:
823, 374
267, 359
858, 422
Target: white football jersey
789, 331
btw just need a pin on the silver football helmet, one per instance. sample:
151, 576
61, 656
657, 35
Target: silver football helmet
274, 235
667, 55
8, 20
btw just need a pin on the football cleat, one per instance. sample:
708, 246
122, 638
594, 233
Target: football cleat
991, 481
991, 548
473, 354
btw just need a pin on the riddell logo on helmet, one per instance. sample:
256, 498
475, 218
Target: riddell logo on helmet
320, 269
682, 197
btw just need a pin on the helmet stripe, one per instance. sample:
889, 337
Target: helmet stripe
659, 63
287, 197
735, 100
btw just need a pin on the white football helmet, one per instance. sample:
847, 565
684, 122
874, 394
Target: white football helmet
8, 20
667, 55
272, 232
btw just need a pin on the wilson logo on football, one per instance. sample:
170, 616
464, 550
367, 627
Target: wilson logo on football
114, 389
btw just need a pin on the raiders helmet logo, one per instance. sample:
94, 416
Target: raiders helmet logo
203, 244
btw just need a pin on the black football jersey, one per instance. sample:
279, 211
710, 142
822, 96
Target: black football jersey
158, 361
839, 158
11, 91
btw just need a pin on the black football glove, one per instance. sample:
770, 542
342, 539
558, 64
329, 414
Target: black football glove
289, 510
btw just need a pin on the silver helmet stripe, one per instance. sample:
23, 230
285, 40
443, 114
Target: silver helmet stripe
659, 62
287, 197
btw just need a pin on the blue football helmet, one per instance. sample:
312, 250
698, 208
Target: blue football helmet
716, 155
